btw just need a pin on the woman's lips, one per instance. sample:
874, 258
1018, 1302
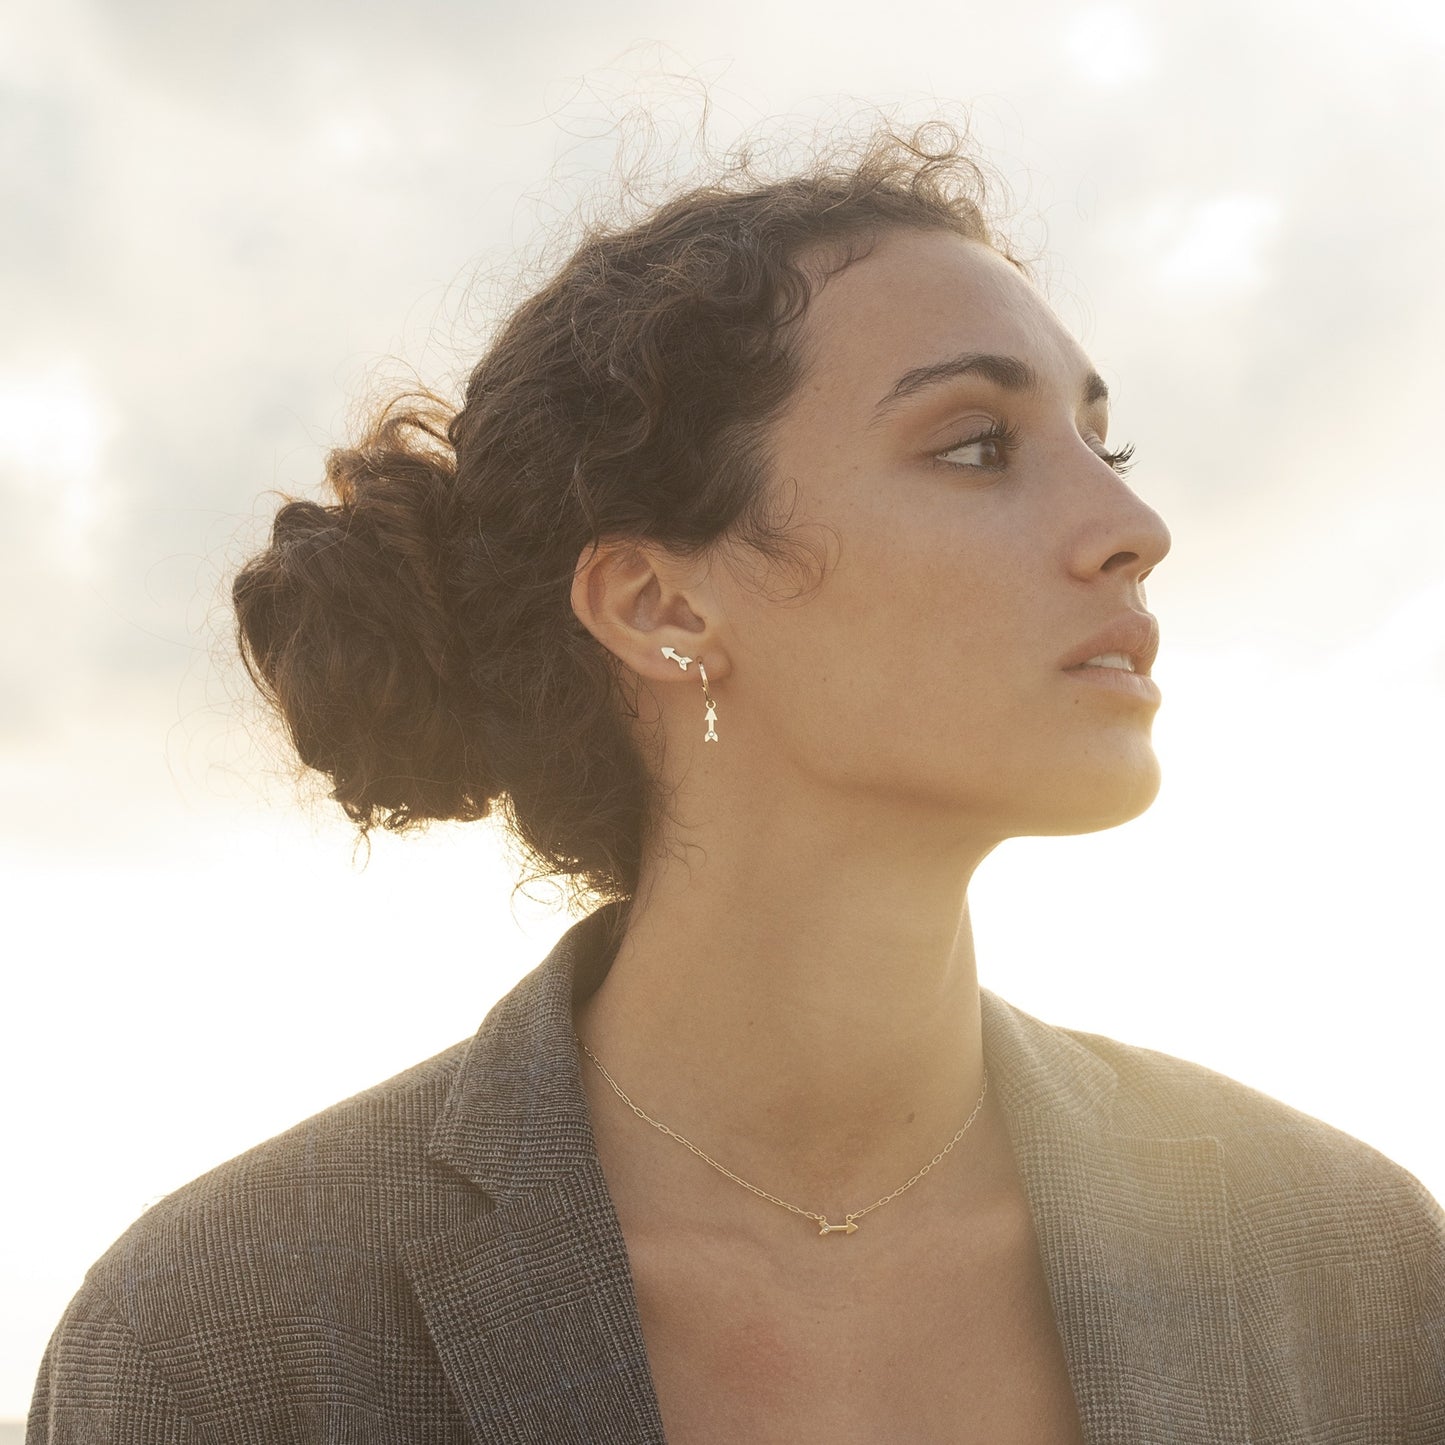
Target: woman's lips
1117, 680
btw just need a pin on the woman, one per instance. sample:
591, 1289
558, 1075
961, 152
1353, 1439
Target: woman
777, 567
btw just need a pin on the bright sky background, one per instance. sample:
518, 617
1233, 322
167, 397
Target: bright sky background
220, 220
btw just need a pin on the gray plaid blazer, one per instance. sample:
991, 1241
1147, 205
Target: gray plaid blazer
438, 1260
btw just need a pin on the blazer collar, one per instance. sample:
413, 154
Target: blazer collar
516, 1119
531, 1302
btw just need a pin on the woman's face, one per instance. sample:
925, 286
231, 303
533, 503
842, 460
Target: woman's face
948, 440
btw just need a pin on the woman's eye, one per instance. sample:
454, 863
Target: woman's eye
989, 450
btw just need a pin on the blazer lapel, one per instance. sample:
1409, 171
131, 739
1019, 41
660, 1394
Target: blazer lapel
1133, 1234
529, 1300
529, 1296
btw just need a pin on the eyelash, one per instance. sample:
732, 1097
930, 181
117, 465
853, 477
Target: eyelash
1121, 459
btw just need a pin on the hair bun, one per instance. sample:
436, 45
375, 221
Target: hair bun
342, 625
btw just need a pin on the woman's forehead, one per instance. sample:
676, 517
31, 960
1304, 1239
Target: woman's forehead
919, 298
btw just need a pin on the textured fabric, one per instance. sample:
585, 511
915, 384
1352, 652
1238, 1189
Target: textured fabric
437, 1261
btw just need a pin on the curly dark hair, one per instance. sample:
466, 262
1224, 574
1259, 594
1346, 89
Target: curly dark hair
417, 635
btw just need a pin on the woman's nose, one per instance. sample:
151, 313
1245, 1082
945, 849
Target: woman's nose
1122, 534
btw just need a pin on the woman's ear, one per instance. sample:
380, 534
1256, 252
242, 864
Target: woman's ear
636, 598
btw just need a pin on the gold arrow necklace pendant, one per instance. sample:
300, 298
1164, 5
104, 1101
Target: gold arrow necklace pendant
849, 1225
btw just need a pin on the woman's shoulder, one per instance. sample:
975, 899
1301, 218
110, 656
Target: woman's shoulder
1268, 1150
1272, 1153
283, 1262
351, 1160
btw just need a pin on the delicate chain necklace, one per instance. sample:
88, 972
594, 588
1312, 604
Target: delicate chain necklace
850, 1221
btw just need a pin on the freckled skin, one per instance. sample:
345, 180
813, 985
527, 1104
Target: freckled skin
797, 990
925, 664
801, 928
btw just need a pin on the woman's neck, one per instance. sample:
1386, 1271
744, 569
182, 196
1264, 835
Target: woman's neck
813, 1027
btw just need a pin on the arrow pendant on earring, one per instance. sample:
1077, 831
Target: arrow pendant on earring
676, 657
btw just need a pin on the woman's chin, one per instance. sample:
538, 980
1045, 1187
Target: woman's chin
1092, 799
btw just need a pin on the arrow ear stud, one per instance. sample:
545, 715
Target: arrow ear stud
710, 736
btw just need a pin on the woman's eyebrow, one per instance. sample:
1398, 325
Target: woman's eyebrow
1009, 372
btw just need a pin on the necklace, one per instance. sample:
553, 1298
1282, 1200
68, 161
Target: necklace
850, 1221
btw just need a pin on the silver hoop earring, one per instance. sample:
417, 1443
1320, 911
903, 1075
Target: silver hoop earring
710, 736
